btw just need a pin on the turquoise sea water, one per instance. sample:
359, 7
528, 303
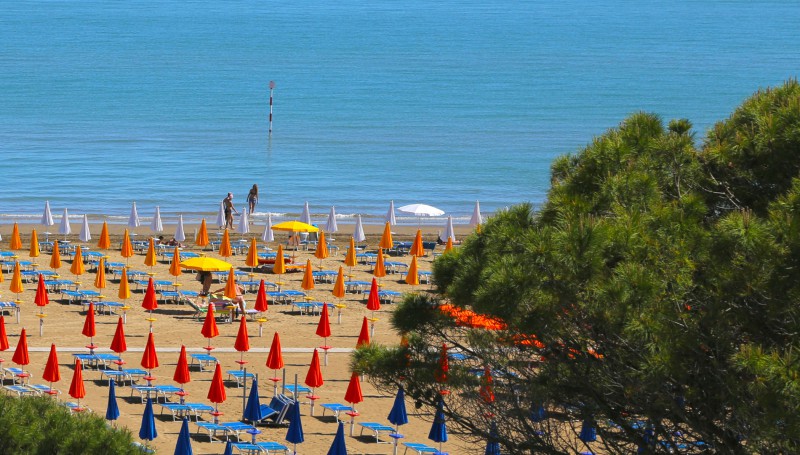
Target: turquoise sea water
444, 103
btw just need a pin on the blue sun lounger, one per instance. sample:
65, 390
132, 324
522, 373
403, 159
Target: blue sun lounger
418, 448
260, 447
227, 428
20, 390
203, 360
239, 376
376, 428
336, 408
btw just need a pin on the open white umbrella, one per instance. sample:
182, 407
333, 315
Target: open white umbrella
448, 229
47, 217
156, 225
221, 216
330, 226
358, 233
268, 236
244, 225
85, 235
305, 217
133, 220
476, 215
180, 236
420, 210
64, 228
390, 215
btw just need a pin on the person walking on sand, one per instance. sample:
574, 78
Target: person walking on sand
227, 205
252, 198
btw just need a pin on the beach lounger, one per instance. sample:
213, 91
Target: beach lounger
376, 428
282, 404
74, 407
20, 390
260, 447
142, 448
239, 376
418, 448
300, 389
167, 390
186, 410
227, 428
336, 408
144, 391
120, 376
16, 374
42, 389
10, 308
203, 360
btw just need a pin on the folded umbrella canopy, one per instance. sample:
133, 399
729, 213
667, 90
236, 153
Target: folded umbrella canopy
47, 216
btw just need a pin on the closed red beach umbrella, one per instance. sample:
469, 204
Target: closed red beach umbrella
242, 343
3, 336
76, 389
486, 391
149, 303
324, 325
363, 337
210, 329
21, 353
261, 298
181, 375
216, 392
89, 329
314, 376
444, 366
118, 343
353, 394
275, 357
41, 298
373, 302
51, 373
149, 357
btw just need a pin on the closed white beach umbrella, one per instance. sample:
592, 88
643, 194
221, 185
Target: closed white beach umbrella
179, 234
47, 217
156, 225
390, 215
244, 225
221, 216
64, 227
358, 233
133, 220
268, 236
331, 226
448, 229
476, 215
85, 235
306, 216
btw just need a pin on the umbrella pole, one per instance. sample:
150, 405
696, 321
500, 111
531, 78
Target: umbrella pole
372, 326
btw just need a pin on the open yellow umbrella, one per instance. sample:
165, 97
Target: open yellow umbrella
386, 238
412, 277
124, 287
416, 247
225, 246
338, 287
308, 277
380, 268
16, 281
322, 248
350, 258
100, 277
55, 259
77, 267
294, 226
205, 264
230, 285
105, 240
201, 239
150, 258
279, 268
449, 245
34, 253
127, 247
16, 243
252, 254
175, 265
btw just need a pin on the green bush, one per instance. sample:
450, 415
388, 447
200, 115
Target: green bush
41, 426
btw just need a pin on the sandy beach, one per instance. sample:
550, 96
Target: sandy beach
175, 325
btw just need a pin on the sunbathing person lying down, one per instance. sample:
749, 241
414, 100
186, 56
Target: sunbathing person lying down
217, 297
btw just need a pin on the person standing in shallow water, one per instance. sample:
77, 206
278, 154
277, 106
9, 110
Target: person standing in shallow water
252, 198
227, 205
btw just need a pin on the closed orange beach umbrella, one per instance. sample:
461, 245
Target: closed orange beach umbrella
230, 285
308, 277
100, 277
175, 265
322, 247
55, 259
34, 253
380, 268
202, 235
225, 246
150, 258
416, 247
338, 288
16, 243
412, 277
124, 287
279, 268
127, 247
252, 254
77, 267
105, 240
16, 280
350, 258
449, 246
386, 238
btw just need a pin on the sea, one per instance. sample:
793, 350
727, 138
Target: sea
444, 103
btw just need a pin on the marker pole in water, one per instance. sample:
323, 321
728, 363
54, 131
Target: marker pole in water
271, 88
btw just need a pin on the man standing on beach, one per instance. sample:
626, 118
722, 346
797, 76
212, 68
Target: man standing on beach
227, 204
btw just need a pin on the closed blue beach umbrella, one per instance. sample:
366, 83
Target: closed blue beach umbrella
398, 415
148, 430
438, 431
588, 432
112, 410
538, 413
184, 445
493, 447
338, 447
295, 433
252, 411
228, 448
